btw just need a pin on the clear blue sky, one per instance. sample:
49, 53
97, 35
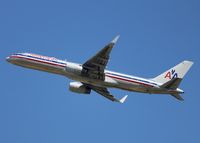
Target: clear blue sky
155, 35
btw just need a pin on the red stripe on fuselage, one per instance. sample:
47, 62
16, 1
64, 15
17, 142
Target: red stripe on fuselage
54, 64
128, 80
31, 59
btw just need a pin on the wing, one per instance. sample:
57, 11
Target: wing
95, 66
104, 92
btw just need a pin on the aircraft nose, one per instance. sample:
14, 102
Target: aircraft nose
8, 59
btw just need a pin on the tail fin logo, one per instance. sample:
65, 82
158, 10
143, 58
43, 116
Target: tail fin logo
171, 74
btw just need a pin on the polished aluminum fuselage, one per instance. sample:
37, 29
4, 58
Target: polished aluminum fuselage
73, 71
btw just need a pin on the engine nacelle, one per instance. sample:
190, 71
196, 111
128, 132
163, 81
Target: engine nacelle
78, 87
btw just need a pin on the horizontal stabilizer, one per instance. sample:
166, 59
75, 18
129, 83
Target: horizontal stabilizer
177, 96
172, 84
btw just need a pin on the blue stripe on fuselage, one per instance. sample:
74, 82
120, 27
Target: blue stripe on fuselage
57, 62
40, 58
127, 77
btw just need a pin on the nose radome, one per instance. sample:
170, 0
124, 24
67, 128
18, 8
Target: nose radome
8, 59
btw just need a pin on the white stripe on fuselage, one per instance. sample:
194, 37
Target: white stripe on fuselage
39, 58
129, 78
60, 63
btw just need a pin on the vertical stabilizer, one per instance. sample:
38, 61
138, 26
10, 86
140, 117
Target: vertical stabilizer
177, 71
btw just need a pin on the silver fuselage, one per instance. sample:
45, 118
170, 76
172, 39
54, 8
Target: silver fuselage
73, 71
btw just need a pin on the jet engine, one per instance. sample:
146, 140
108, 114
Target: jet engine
78, 87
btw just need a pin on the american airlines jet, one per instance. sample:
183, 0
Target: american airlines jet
92, 75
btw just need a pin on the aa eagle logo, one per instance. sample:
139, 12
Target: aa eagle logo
171, 74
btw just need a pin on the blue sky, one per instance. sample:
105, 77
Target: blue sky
155, 35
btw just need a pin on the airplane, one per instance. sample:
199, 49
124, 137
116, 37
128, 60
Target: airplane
92, 75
